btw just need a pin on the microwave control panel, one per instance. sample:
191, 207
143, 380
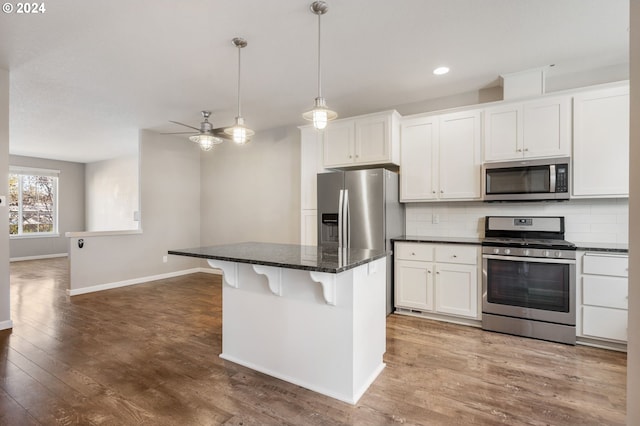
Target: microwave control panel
562, 181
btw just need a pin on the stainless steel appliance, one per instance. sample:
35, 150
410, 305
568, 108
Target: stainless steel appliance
360, 209
527, 180
529, 278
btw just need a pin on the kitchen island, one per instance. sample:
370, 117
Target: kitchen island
313, 316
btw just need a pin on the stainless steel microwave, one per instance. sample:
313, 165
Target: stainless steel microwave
527, 180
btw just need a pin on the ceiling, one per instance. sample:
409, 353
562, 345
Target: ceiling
85, 76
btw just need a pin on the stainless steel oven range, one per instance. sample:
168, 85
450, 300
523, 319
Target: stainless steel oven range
529, 278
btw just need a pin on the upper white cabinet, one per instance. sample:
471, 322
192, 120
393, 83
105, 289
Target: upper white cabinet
440, 157
601, 143
364, 140
533, 129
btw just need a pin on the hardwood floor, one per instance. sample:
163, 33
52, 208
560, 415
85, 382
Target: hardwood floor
147, 355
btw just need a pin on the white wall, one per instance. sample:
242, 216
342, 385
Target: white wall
112, 194
633, 356
170, 206
70, 208
5, 313
252, 192
586, 221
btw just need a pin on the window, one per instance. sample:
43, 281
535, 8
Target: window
33, 201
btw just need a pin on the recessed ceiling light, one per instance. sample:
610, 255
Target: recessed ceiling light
441, 70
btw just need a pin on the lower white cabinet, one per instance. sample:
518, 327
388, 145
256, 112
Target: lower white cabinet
437, 278
603, 296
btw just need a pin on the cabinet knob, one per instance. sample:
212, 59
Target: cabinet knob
442, 191
438, 273
518, 150
357, 156
455, 255
351, 156
526, 149
413, 254
433, 192
428, 271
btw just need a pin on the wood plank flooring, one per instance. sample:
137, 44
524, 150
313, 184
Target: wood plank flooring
148, 355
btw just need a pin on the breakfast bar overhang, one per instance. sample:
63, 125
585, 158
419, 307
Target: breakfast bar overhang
312, 316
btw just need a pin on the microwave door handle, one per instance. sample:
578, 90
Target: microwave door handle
340, 228
552, 178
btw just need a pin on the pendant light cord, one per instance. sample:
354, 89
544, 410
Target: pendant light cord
319, 60
239, 68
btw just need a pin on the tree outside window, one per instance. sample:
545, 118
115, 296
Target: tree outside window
32, 204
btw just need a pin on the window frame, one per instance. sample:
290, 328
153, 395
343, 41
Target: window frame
21, 171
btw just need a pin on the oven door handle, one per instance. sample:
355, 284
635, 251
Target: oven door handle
530, 259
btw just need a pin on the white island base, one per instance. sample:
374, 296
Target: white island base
322, 331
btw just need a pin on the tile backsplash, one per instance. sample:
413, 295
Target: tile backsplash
586, 221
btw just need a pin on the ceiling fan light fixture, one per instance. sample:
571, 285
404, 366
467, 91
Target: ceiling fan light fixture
320, 115
205, 141
239, 133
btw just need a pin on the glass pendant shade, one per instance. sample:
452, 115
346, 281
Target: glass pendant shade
320, 115
205, 141
239, 133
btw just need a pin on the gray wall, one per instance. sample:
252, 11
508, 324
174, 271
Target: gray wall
5, 313
633, 356
71, 205
252, 192
112, 194
170, 210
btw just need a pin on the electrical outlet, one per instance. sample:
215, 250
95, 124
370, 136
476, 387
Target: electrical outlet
165, 259
435, 219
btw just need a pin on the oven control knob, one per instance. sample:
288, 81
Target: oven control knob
496, 251
527, 252
546, 253
558, 254
507, 251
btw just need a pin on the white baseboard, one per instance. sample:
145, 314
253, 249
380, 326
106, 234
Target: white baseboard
210, 271
5, 325
133, 281
42, 256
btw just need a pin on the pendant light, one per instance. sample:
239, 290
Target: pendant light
239, 133
320, 114
206, 139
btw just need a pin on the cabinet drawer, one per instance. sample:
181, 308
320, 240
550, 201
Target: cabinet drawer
608, 292
602, 264
455, 253
414, 251
604, 323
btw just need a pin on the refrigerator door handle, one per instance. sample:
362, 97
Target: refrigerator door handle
340, 218
346, 218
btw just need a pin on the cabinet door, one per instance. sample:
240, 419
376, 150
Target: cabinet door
604, 323
418, 141
503, 133
373, 139
309, 227
459, 151
547, 127
601, 143
414, 285
457, 289
339, 144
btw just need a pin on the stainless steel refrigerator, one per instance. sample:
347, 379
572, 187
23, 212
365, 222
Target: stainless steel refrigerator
360, 209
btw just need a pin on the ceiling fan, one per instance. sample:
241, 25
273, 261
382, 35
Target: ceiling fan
207, 136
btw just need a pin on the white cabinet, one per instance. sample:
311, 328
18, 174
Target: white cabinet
601, 143
534, 129
310, 166
603, 296
365, 140
437, 278
440, 157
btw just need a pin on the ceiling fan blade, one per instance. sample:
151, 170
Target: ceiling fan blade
177, 133
219, 132
185, 125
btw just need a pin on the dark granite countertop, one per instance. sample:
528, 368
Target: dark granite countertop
604, 247
308, 258
441, 240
